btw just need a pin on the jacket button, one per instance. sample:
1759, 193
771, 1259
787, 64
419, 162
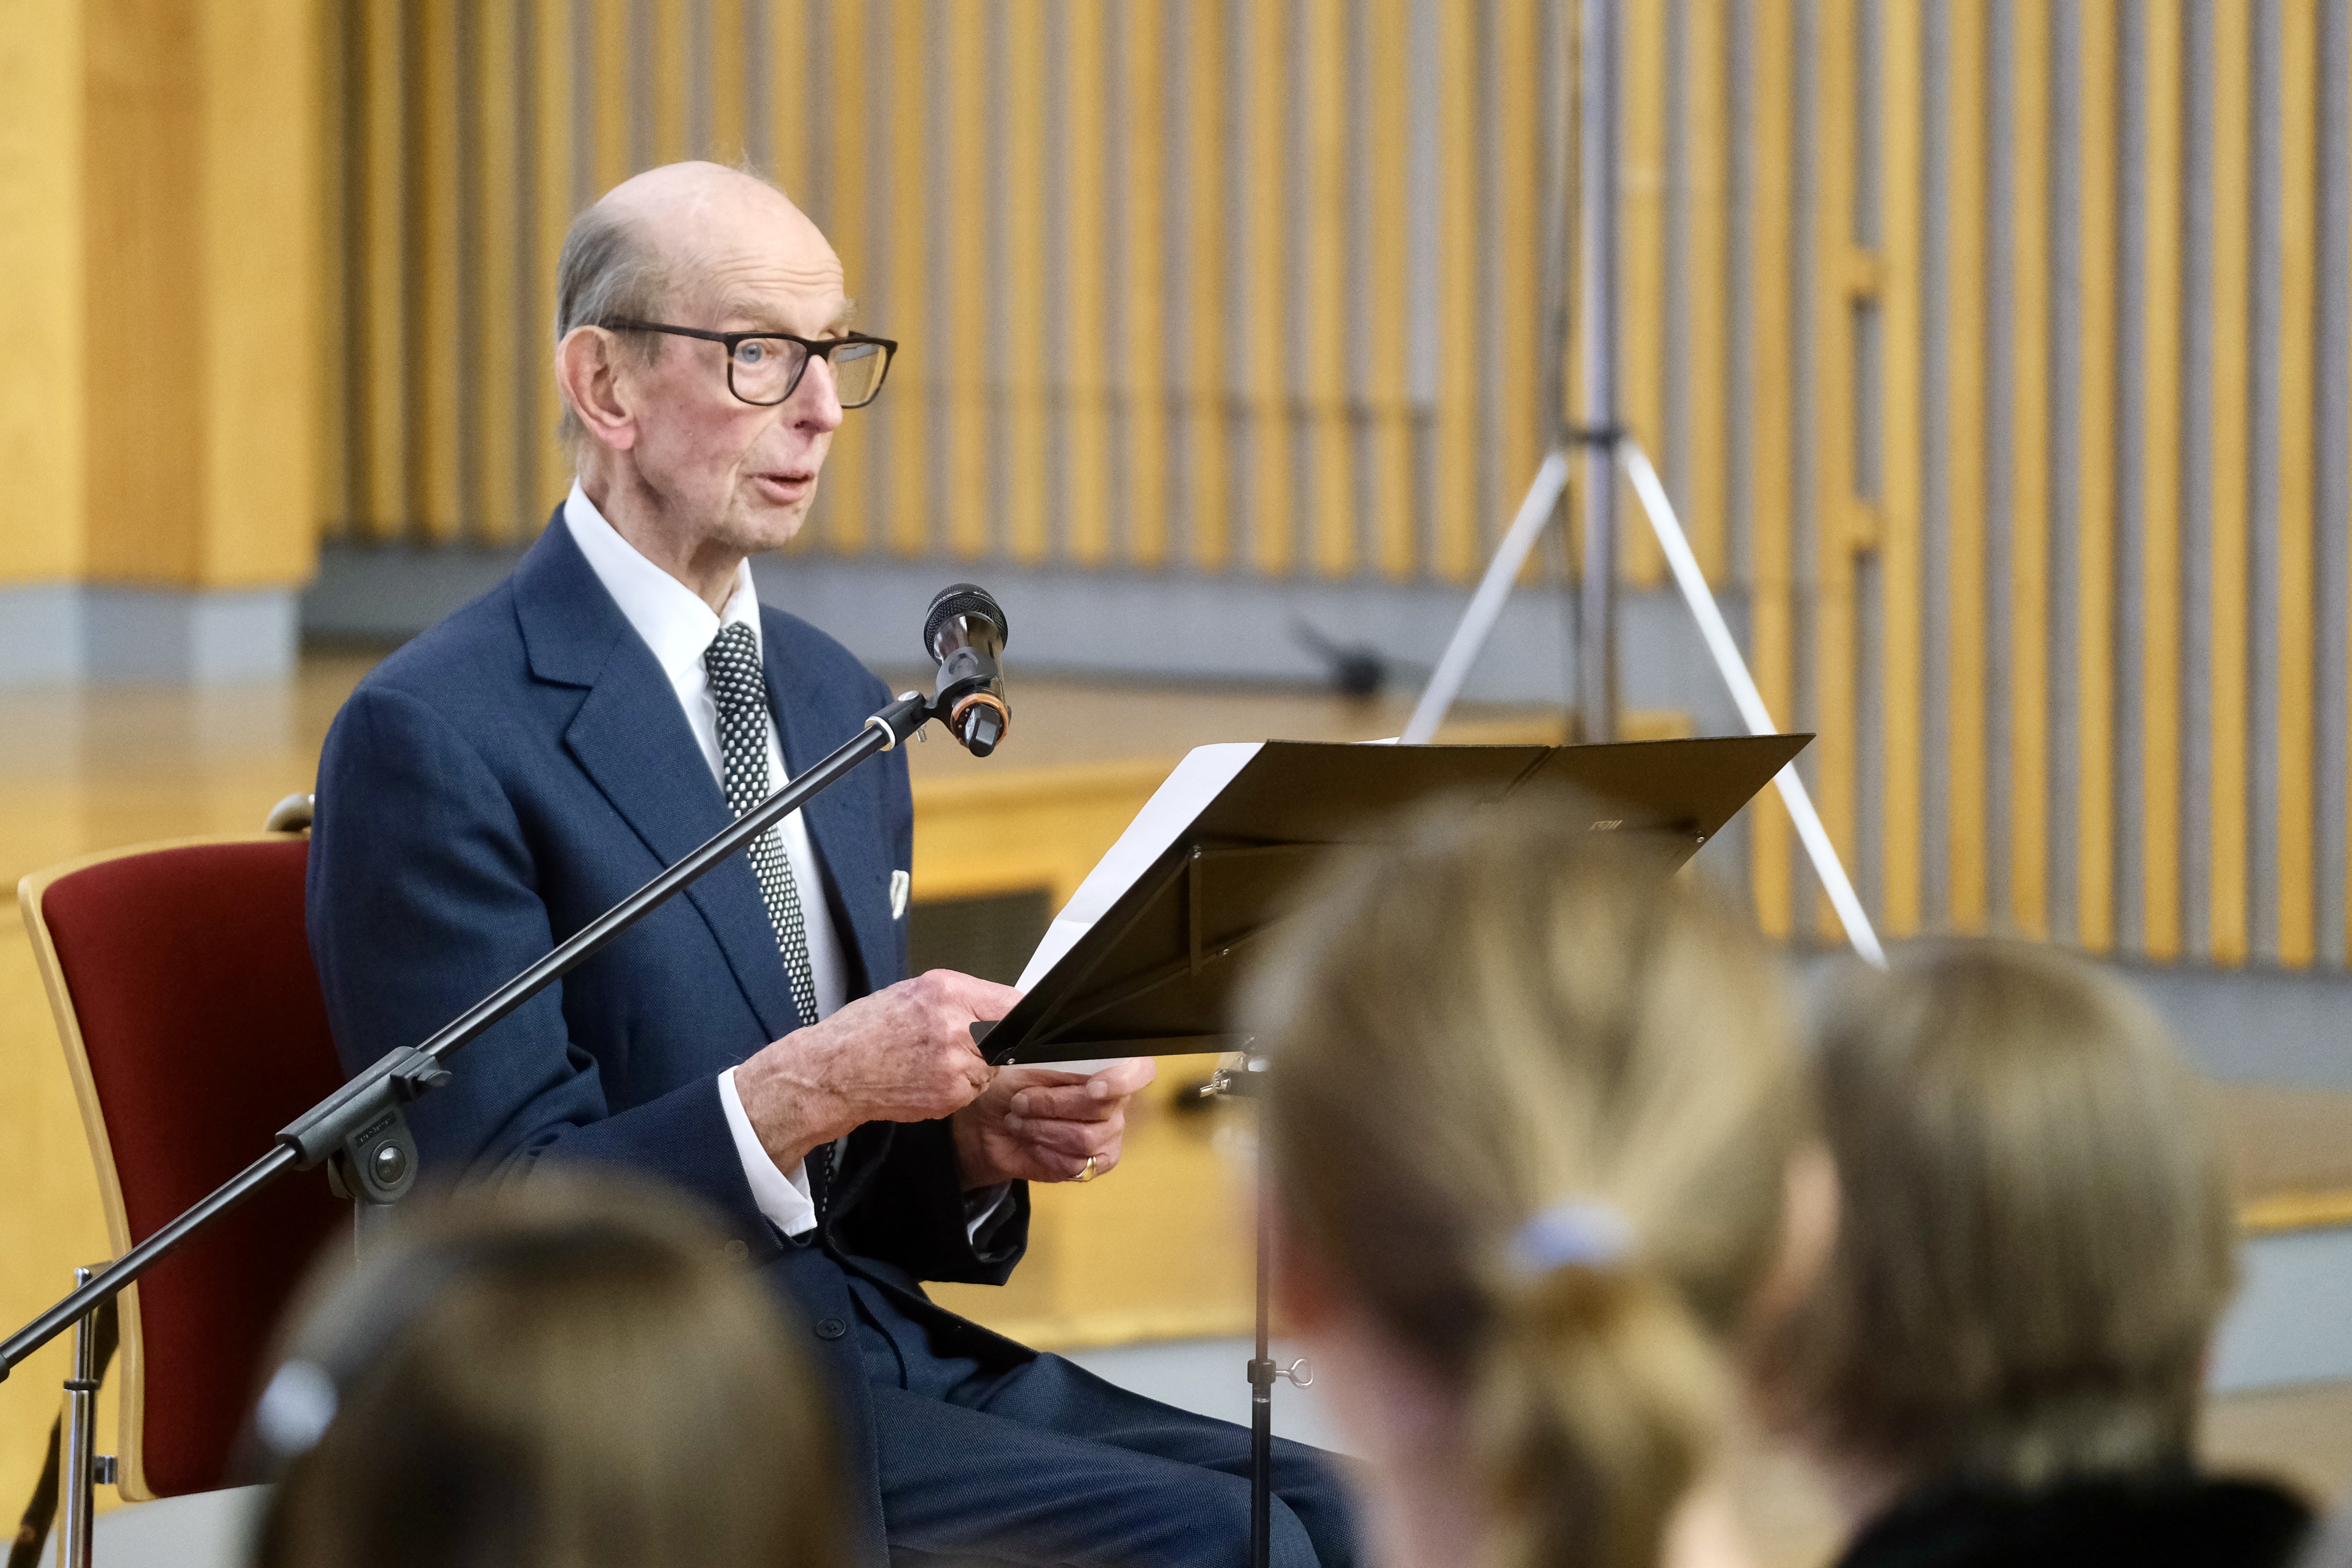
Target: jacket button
738, 1250
831, 1328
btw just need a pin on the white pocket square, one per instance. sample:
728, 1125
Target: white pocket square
902, 885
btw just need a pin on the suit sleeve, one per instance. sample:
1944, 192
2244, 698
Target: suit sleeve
422, 898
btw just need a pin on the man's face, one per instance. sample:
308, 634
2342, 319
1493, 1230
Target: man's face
723, 471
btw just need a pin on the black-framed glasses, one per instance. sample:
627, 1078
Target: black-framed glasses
765, 368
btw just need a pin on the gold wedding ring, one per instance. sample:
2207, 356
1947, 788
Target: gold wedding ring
1087, 1173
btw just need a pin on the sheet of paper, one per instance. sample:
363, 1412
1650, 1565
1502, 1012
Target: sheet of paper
1205, 771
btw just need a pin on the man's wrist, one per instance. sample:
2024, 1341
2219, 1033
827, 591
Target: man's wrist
786, 1114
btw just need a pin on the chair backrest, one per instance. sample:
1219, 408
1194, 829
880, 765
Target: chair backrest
182, 981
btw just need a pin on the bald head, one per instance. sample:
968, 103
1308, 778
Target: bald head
674, 234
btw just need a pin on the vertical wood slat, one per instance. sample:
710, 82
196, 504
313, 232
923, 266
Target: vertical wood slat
1771, 465
1020, 97
1642, 275
384, 276
849, 523
1208, 449
2161, 293
1902, 97
2029, 474
1142, 73
1263, 162
730, 108
553, 157
1706, 267
2094, 828
1389, 45
338, 299
1457, 455
2298, 332
1964, 486
1835, 644
2232, 304
605, 75
1323, 300
1085, 398
964, 48
673, 58
497, 501
434, 351
789, 36
915, 385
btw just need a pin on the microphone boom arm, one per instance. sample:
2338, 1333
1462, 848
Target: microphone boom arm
360, 1128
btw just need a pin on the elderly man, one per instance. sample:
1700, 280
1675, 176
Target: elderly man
517, 769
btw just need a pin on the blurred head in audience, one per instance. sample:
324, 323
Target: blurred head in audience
566, 1371
1540, 1153
2036, 1240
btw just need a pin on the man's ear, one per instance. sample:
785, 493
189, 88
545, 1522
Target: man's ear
588, 371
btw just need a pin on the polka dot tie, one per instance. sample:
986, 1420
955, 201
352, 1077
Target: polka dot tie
740, 686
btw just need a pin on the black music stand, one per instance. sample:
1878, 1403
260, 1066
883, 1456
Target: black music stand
1155, 974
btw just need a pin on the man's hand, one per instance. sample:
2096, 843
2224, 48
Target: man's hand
904, 1054
1034, 1123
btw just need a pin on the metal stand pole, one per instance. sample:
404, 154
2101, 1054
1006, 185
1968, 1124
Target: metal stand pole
1261, 1375
77, 1461
1596, 658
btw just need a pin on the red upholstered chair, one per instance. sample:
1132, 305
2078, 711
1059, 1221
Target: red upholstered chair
183, 986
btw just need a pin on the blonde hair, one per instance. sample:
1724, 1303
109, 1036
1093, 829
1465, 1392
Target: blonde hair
1505, 1017
565, 1370
2035, 1238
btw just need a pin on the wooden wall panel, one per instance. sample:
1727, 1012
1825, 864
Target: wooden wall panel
1253, 288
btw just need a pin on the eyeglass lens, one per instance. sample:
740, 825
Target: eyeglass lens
766, 370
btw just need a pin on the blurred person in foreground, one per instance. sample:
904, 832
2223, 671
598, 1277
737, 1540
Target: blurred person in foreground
563, 1373
2002, 1359
1541, 1163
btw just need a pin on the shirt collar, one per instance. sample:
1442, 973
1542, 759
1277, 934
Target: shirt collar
670, 617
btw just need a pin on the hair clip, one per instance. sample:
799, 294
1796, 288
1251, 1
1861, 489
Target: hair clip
1584, 1233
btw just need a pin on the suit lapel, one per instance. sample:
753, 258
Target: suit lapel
631, 739
841, 823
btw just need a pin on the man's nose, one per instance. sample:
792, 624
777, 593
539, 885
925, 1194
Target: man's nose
816, 401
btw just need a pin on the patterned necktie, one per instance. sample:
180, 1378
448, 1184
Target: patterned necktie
740, 686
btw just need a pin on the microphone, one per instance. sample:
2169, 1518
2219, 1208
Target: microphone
966, 632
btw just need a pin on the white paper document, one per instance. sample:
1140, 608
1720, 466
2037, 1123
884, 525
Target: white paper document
1205, 771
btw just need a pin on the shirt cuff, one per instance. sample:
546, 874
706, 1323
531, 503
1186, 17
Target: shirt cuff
783, 1199
981, 1208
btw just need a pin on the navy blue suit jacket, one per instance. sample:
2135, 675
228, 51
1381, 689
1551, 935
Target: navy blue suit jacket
515, 771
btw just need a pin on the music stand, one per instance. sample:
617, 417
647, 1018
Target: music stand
1155, 974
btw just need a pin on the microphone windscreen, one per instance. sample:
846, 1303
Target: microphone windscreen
963, 599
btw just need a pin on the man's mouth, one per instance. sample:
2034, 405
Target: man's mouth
787, 484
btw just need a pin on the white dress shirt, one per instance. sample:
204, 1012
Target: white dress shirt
677, 626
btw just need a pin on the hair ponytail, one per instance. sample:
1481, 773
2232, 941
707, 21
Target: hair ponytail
1533, 1115
1592, 1411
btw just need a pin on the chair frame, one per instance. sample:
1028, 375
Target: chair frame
130, 1475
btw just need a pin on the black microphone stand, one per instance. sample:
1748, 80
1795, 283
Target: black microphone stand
360, 1130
